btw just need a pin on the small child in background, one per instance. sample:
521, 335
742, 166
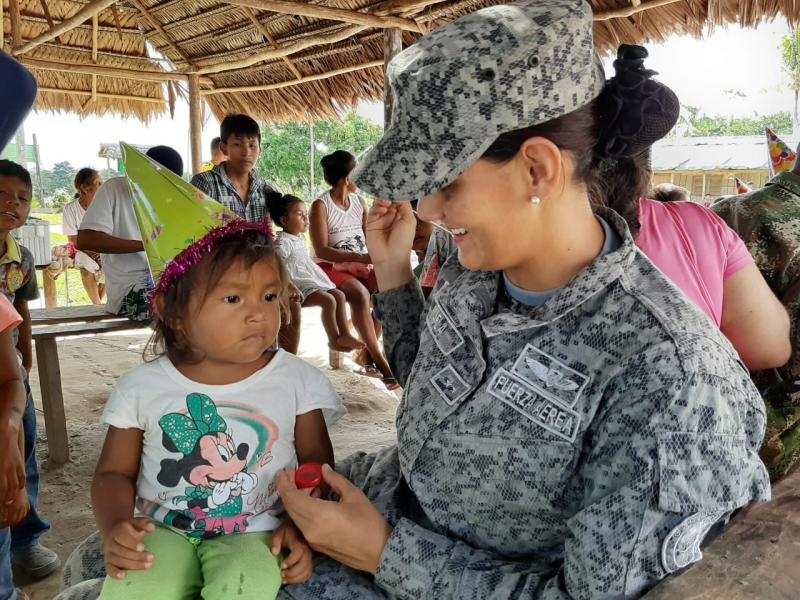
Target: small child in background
290, 213
184, 491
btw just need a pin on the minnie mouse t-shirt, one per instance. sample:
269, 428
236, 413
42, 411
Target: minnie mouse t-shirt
210, 453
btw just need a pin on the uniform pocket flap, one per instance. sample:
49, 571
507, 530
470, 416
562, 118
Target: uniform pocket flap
703, 472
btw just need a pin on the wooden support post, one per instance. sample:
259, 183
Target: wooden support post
392, 46
46, 11
195, 123
335, 359
16, 24
55, 419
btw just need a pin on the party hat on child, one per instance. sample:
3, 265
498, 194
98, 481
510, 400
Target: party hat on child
781, 157
179, 223
741, 186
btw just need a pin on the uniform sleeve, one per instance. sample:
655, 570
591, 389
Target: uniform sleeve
122, 408
318, 394
400, 312
652, 487
9, 317
100, 214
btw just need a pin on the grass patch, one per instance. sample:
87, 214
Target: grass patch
69, 288
52, 218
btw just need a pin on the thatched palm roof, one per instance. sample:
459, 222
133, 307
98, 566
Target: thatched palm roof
275, 59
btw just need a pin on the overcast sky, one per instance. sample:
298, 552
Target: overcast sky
747, 60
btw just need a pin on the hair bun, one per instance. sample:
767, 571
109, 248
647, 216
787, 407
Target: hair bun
635, 110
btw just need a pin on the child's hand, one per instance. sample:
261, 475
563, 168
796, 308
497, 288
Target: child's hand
124, 549
297, 565
13, 511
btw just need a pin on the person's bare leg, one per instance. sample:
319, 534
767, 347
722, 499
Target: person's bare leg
342, 322
101, 291
90, 285
358, 297
289, 335
328, 305
50, 293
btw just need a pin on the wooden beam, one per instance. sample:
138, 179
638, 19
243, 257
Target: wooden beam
621, 13
195, 124
47, 16
92, 69
146, 99
392, 46
265, 32
115, 14
95, 24
157, 26
292, 82
318, 11
302, 44
92, 8
16, 24
2, 25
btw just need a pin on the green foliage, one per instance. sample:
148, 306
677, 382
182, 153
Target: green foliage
286, 150
790, 52
701, 125
67, 286
52, 218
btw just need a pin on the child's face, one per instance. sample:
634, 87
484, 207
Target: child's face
296, 220
15, 203
239, 318
242, 152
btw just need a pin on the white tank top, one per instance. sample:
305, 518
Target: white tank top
345, 227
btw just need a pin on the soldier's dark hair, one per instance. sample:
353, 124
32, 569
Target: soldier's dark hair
279, 206
610, 137
337, 165
9, 168
240, 126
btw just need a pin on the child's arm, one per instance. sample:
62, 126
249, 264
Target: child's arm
16, 506
25, 343
113, 500
12, 407
311, 440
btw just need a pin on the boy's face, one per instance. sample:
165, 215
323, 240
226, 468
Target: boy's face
242, 152
15, 203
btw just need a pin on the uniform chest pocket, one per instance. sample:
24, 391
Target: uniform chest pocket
706, 472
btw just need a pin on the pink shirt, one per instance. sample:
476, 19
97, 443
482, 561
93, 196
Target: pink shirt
694, 248
9, 317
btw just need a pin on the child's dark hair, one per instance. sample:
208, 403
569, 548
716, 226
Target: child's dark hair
247, 248
279, 205
337, 165
239, 125
8, 168
83, 177
215, 143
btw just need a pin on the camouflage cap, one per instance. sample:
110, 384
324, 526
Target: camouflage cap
458, 88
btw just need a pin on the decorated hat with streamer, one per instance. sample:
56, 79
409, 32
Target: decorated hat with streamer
781, 157
179, 223
741, 186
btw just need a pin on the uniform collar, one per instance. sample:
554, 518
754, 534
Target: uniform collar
787, 180
13, 253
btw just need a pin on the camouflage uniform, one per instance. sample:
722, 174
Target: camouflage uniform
768, 220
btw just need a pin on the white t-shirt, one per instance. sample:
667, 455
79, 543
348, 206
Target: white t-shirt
345, 227
72, 215
211, 452
111, 212
303, 271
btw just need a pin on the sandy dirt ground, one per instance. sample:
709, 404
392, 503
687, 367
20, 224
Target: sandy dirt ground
89, 368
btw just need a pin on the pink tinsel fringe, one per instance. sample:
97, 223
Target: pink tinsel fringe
188, 258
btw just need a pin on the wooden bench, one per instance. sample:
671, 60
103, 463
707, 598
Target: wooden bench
49, 324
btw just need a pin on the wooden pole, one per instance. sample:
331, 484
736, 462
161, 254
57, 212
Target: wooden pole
392, 46
146, 99
319, 11
2, 26
621, 13
291, 82
22, 157
265, 32
92, 69
157, 26
90, 9
195, 124
16, 24
297, 46
46, 11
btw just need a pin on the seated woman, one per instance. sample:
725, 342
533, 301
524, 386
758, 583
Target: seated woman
337, 237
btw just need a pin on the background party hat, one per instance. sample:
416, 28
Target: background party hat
741, 186
781, 157
172, 214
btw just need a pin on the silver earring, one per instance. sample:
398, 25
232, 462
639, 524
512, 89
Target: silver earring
535, 200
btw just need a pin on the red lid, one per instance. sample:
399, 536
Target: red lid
308, 475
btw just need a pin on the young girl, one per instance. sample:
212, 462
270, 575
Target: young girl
290, 213
197, 436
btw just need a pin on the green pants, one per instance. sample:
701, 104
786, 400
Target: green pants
238, 566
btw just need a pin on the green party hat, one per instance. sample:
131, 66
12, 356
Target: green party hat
174, 217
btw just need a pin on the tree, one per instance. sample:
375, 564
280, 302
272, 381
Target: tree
790, 47
701, 124
286, 150
60, 178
